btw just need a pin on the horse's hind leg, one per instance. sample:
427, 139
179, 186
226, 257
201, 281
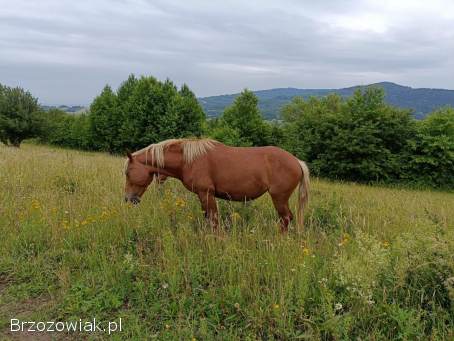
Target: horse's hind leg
280, 202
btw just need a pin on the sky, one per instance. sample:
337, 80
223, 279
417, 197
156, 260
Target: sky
65, 52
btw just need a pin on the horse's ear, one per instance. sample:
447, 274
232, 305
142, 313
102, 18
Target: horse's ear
128, 153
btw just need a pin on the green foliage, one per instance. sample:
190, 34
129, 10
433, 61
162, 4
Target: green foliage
431, 157
363, 139
191, 116
143, 111
140, 112
105, 120
358, 139
274, 133
220, 131
19, 116
310, 124
242, 123
66, 130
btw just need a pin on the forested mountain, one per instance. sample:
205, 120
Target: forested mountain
422, 101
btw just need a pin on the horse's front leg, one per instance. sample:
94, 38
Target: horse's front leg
209, 207
285, 215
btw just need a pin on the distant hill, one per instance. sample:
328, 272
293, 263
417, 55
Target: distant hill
75, 109
422, 101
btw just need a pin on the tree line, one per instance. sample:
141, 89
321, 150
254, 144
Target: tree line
359, 138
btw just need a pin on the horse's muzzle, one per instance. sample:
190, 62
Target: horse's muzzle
135, 200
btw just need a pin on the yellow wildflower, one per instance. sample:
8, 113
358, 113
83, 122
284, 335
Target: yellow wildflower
345, 239
36, 204
180, 202
235, 216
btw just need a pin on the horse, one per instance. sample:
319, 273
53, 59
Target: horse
213, 170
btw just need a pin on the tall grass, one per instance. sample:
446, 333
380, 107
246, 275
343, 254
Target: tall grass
372, 263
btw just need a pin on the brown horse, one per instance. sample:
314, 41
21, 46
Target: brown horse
212, 170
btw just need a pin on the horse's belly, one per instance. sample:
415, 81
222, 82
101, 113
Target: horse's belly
240, 190
240, 186
238, 197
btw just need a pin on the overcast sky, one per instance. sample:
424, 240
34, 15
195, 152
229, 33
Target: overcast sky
64, 52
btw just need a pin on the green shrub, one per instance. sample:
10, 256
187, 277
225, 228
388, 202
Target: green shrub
431, 154
360, 138
66, 130
20, 116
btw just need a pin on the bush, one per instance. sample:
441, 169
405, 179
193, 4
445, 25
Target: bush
431, 154
359, 139
19, 116
66, 130
242, 124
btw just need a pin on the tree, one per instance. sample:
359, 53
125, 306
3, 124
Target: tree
222, 132
66, 130
274, 133
144, 111
19, 116
245, 118
104, 120
191, 116
431, 156
360, 139
310, 124
372, 138
149, 114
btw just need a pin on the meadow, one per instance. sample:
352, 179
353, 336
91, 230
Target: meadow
372, 263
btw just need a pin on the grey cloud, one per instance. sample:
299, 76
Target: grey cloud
66, 51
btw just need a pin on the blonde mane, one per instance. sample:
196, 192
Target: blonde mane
192, 149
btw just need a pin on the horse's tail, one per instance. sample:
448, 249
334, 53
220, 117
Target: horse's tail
303, 196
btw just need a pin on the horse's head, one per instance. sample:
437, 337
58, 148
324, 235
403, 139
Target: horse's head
138, 178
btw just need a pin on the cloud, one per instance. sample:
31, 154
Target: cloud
66, 51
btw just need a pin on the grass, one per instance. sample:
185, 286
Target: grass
372, 263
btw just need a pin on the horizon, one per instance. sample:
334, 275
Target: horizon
259, 90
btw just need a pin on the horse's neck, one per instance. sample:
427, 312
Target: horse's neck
173, 164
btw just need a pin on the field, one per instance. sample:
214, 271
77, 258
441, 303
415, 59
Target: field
372, 263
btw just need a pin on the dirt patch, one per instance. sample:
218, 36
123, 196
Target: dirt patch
23, 336
3, 286
21, 310
24, 311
